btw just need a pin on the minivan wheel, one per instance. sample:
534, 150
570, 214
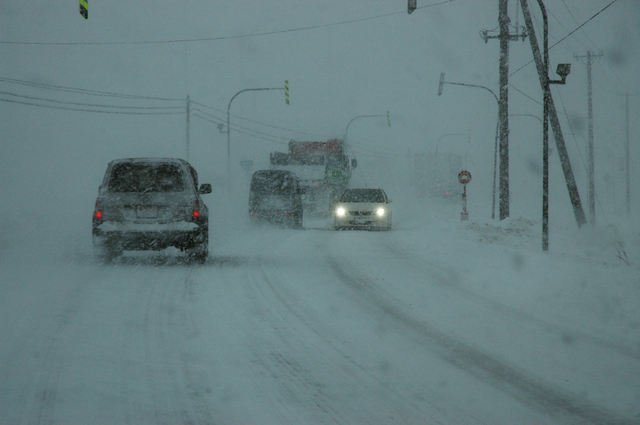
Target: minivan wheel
105, 253
299, 221
199, 255
200, 251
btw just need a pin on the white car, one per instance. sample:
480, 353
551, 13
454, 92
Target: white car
363, 209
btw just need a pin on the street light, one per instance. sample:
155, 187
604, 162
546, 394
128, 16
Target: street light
495, 153
452, 134
229, 125
346, 132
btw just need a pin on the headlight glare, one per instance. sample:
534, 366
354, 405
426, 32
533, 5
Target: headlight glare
340, 212
380, 212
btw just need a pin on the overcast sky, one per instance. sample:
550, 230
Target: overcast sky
343, 59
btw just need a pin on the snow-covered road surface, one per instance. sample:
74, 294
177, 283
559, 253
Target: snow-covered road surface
313, 326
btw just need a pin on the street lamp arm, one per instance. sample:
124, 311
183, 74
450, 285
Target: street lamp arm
474, 85
442, 137
355, 118
242, 91
229, 123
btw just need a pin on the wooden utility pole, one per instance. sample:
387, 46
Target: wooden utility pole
503, 104
543, 70
591, 193
627, 160
188, 124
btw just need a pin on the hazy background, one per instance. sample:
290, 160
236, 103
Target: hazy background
342, 59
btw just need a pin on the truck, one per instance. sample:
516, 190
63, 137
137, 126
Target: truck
436, 174
323, 167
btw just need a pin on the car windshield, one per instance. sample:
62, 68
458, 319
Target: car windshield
146, 177
271, 183
362, 195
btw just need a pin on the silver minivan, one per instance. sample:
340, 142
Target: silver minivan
150, 204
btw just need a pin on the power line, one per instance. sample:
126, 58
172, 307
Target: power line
118, 95
567, 36
221, 38
82, 91
253, 121
85, 104
89, 110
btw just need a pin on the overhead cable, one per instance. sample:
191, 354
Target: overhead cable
221, 38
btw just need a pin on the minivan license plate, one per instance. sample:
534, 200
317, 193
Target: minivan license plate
147, 212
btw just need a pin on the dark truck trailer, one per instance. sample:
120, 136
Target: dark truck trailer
323, 168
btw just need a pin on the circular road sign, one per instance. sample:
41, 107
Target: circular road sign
464, 177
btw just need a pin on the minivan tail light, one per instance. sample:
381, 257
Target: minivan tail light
98, 210
195, 214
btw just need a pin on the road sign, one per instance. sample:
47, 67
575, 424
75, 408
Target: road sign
464, 177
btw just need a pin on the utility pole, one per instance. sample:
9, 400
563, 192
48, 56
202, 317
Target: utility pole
627, 156
188, 121
542, 67
626, 149
504, 38
591, 194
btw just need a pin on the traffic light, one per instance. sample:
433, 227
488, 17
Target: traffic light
411, 6
84, 8
286, 91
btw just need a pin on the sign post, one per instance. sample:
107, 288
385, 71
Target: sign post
464, 177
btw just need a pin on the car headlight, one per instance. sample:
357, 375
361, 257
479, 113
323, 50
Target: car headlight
340, 212
380, 212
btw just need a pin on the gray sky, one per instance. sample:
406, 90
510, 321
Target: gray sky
342, 60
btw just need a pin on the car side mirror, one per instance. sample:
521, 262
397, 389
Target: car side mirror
389, 201
354, 163
205, 188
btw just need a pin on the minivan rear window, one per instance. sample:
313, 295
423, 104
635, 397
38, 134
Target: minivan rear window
149, 177
271, 183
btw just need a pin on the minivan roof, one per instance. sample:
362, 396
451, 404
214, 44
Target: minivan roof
150, 159
274, 172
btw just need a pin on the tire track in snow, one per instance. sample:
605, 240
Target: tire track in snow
566, 407
43, 406
297, 324
154, 351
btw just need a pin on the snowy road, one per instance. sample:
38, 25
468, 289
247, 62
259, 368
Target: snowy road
291, 327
